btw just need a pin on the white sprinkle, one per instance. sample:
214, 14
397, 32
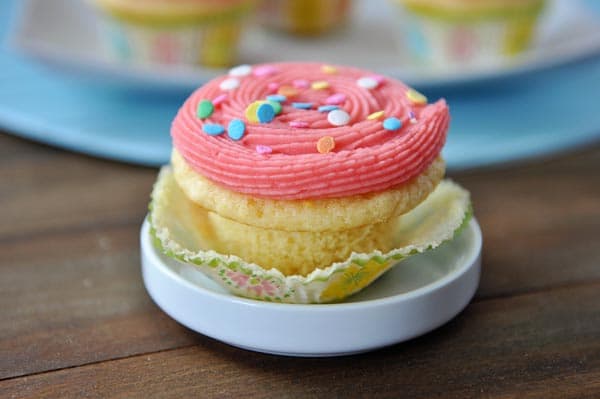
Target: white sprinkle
367, 82
229, 84
338, 117
240, 70
263, 149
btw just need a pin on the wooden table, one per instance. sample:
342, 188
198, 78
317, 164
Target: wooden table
76, 321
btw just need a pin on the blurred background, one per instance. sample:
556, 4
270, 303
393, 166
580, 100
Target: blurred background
106, 77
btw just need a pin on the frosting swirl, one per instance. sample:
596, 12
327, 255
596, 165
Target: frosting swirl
281, 159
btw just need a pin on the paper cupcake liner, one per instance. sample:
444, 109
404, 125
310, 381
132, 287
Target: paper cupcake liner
433, 222
304, 17
212, 43
454, 43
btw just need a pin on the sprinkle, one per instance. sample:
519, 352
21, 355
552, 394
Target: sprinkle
376, 115
367, 82
298, 124
392, 124
276, 106
264, 70
250, 111
276, 97
229, 84
302, 105
236, 129
265, 113
301, 83
213, 129
255, 112
412, 117
240, 70
338, 117
219, 99
335, 99
205, 109
329, 69
325, 144
287, 91
263, 149
415, 97
327, 108
319, 85
273, 87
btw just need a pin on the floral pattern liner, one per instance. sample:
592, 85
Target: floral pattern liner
438, 219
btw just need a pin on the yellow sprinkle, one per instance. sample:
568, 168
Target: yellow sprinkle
288, 91
329, 69
375, 115
415, 97
250, 112
319, 85
325, 144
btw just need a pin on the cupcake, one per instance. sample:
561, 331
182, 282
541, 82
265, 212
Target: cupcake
204, 32
304, 182
304, 17
467, 33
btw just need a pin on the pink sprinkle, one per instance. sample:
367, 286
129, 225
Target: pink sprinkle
335, 99
263, 149
378, 78
219, 99
273, 87
298, 124
264, 70
301, 83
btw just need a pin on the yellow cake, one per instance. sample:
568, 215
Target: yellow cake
301, 234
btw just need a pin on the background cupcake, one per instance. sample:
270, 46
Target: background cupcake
466, 33
304, 17
202, 32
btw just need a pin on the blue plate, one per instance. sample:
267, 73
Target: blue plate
495, 121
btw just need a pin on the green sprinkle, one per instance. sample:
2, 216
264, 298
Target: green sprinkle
276, 106
205, 109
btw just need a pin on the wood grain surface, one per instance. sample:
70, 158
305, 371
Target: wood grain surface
77, 322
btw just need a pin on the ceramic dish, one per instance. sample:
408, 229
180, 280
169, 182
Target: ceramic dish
417, 296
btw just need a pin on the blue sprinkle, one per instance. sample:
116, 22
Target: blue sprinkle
302, 105
236, 129
327, 108
265, 113
392, 123
213, 129
277, 97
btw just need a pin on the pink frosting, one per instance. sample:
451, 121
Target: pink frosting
366, 158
